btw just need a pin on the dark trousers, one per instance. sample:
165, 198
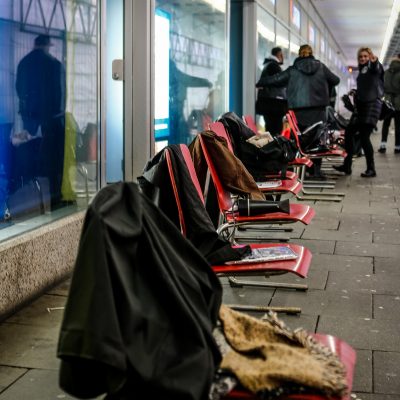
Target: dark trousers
273, 122
386, 125
364, 131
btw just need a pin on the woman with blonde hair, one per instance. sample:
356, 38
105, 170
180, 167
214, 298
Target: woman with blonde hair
367, 104
309, 84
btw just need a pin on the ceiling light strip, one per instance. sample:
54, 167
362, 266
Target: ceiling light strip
390, 28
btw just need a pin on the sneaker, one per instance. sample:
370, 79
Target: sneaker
382, 150
369, 173
396, 151
342, 168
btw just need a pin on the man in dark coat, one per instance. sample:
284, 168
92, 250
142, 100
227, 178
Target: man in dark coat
392, 93
309, 86
271, 100
41, 91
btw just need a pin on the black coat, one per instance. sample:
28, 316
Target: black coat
271, 67
309, 83
368, 102
142, 306
41, 86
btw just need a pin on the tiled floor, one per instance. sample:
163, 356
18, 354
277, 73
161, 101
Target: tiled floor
354, 293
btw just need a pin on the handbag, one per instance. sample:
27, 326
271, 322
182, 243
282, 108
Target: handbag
387, 109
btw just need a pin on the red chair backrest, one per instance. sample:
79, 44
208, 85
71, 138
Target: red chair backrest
219, 129
225, 201
249, 121
295, 129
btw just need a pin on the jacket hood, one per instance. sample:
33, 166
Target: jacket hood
394, 65
307, 65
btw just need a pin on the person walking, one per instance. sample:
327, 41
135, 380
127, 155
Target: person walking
309, 86
271, 100
368, 105
392, 93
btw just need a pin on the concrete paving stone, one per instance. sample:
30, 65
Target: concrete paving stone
62, 289
367, 283
379, 209
386, 265
363, 333
336, 262
316, 279
368, 250
37, 313
387, 372
347, 220
324, 207
389, 238
386, 307
247, 295
322, 222
318, 246
8, 375
36, 385
363, 372
321, 302
384, 220
32, 347
355, 235
374, 396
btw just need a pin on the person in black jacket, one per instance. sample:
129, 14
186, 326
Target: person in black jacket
271, 101
309, 85
41, 90
368, 104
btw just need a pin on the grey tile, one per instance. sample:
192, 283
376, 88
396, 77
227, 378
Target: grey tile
33, 347
38, 314
389, 238
361, 249
386, 265
324, 222
386, 307
378, 209
62, 289
336, 262
355, 235
387, 372
318, 246
363, 372
36, 385
320, 302
363, 333
247, 296
367, 283
8, 375
316, 278
374, 396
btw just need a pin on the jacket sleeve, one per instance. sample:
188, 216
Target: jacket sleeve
375, 67
333, 79
280, 79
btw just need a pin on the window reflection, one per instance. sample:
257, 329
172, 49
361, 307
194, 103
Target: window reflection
48, 107
190, 58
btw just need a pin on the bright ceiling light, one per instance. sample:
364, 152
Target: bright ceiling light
219, 5
390, 28
265, 32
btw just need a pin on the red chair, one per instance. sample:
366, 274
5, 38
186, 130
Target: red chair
289, 184
249, 121
299, 266
231, 219
345, 353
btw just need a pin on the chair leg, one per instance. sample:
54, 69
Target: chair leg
287, 310
234, 282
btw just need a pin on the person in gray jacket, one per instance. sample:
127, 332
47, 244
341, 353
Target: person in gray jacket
309, 85
392, 93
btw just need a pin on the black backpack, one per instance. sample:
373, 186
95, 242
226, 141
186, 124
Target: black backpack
271, 158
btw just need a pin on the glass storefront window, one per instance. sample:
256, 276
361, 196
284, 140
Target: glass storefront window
295, 15
190, 65
265, 37
282, 40
48, 110
294, 48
